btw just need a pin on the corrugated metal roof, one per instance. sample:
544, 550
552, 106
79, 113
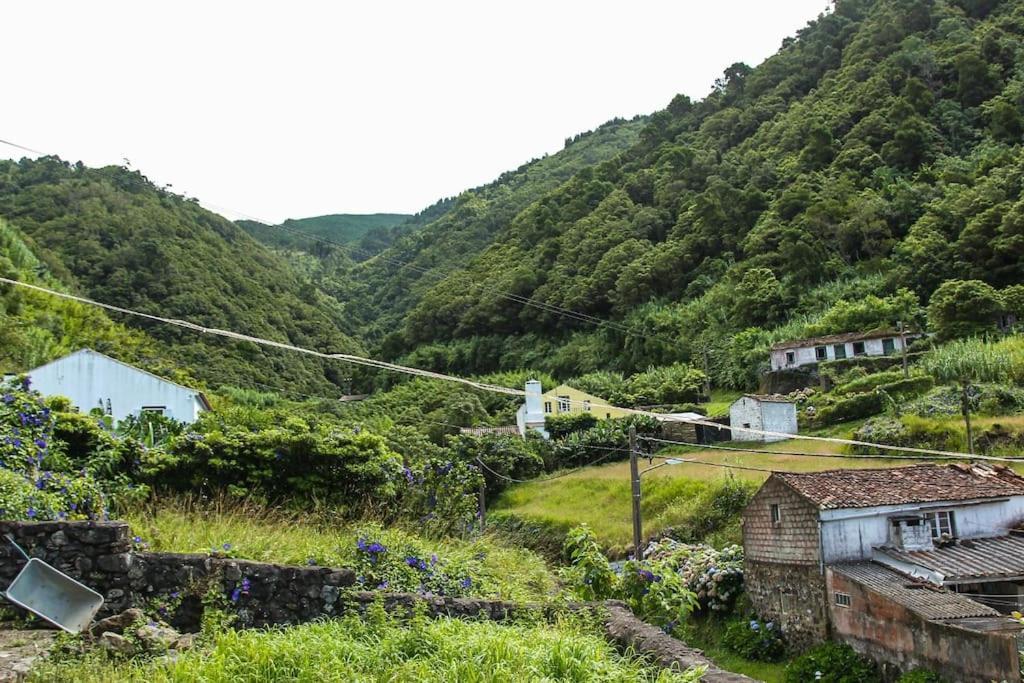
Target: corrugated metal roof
969, 560
930, 602
856, 488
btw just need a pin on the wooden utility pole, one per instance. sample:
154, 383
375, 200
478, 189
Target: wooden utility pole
966, 405
634, 474
903, 348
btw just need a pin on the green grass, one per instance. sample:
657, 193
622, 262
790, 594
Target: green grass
379, 649
706, 634
720, 401
185, 525
600, 496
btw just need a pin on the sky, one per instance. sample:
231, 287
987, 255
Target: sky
278, 110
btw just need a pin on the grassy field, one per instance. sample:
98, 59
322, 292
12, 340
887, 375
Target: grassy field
600, 496
379, 649
247, 530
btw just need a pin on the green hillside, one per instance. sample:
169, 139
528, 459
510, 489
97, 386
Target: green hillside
112, 235
877, 154
367, 233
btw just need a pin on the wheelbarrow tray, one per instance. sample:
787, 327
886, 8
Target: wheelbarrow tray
54, 596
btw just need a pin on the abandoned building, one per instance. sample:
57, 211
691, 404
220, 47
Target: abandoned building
912, 566
799, 352
762, 413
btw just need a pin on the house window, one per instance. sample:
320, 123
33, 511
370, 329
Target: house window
888, 346
839, 350
942, 524
586, 406
547, 406
158, 410
820, 352
790, 357
842, 599
776, 514
564, 404
858, 348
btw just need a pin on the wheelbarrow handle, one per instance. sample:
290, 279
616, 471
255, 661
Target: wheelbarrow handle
10, 537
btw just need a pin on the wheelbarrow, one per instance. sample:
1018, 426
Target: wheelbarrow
52, 594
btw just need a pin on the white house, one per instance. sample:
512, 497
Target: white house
92, 380
530, 415
793, 354
764, 413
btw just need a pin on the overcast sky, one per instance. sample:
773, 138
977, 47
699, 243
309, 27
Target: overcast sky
301, 108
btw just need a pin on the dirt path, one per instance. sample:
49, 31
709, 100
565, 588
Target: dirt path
19, 649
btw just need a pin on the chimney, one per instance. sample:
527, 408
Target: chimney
534, 409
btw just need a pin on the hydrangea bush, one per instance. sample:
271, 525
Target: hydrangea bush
755, 639
406, 568
715, 576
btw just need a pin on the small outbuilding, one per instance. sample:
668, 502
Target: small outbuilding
93, 380
761, 413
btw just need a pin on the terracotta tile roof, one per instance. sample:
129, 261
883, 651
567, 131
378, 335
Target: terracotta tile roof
835, 489
930, 602
977, 559
486, 431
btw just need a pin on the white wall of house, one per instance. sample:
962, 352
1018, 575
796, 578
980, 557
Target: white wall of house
850, 534
91, 380
531, 414
770, 416
806, 355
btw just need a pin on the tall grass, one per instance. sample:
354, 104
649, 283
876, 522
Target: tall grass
192, 525
380, 649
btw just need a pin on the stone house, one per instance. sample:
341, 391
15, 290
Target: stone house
767, 413
799, 352
913, 566
92, 380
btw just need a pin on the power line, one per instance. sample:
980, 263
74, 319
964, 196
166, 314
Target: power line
483, 386
22, 147
879, 456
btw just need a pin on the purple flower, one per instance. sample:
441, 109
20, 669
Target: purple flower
361, 544
246, 585
311, 562
136, 539
31, 513
408, 475
226, 546
382, 585
235, 594
8, 399
26, 383
41, 444
466, 583
174, 595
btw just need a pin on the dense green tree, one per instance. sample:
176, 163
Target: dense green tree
963, 308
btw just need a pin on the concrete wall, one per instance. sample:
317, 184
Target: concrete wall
91, 379
770, 416
806, 355
782, 568
851, 534
892, 634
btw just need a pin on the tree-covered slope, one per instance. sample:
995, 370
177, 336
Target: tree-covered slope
368, 233
878, 150
112, 235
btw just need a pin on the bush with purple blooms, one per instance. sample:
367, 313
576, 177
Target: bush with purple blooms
755, 639
407, 568
715, 576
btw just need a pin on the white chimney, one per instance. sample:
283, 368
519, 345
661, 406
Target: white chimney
531, 414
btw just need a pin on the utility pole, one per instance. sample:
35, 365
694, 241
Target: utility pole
965, 403
634, 473
903, 348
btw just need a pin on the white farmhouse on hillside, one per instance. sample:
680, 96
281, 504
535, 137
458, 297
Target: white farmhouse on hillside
793, 354
761, 413
92, 380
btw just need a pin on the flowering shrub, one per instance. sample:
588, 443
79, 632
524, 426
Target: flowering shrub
406, 568
588, 573
755, 639
715, 576
657, 592
831, 663
439, 494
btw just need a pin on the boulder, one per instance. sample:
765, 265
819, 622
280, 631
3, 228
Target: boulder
118, 622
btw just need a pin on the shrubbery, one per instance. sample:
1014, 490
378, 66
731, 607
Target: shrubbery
755, 639
831, 663
855, 407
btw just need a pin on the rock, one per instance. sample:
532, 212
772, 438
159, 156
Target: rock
117, 644
117, 623
156, 637
117, 563
185, 641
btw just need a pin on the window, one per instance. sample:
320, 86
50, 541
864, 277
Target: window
564, 404
547, 406
159, 410
842, 599
839, 350
820, 352
586, 406
942, 524
858, 348
888, 346
790, 357
776, 514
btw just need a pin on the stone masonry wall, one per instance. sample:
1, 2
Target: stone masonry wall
791, 595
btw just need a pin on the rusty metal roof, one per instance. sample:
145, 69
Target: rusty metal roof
970, 560
488, 431
930, 602
855, 488
840, 338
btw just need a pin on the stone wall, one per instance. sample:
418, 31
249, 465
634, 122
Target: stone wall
791, 595
901, 640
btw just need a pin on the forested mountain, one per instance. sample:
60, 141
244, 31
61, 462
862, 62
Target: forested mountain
877, 154
112, 235
368, 233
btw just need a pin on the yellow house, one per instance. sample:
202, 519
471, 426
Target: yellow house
564, 400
